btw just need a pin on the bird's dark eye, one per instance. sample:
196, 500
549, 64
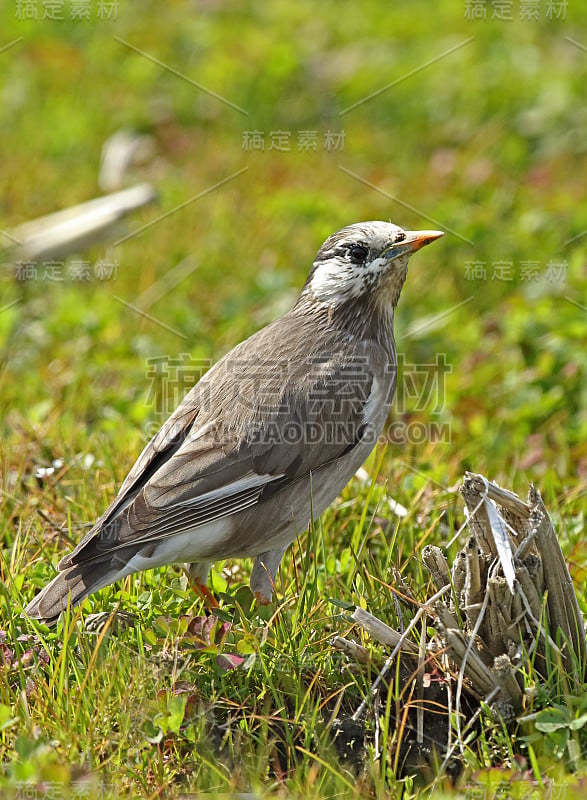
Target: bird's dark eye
400, 237
358, 253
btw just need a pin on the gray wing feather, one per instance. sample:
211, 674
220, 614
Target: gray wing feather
225, 449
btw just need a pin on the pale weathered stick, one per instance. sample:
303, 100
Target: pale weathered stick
499, 614
473, 491
351, 649
530, 590
506, 677
420, 687
562, 602
459, 574
435, 562
481, 677
447, 621
473, 588
504, 497
383, 633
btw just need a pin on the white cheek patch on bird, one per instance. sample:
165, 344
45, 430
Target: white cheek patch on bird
330, 279
338, 281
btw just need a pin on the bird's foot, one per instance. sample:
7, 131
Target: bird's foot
202, 591
262, 581
262, 598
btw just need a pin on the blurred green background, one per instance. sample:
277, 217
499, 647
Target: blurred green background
431, 115
482, 130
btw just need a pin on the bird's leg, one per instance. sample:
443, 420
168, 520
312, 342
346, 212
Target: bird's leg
263, 575
197, 575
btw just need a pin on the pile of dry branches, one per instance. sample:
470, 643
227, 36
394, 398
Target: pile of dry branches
506, 602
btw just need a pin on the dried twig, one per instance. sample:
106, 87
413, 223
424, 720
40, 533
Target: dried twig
562, 602
383, 633
351, 649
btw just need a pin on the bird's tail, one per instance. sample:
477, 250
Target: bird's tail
71, 586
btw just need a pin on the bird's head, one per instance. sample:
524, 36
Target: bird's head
368, 260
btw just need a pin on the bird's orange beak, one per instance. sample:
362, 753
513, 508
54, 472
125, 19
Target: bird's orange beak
415, 240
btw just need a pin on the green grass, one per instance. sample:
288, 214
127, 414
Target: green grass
489, 141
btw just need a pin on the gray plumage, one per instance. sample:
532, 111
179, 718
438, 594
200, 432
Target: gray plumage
267, 438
